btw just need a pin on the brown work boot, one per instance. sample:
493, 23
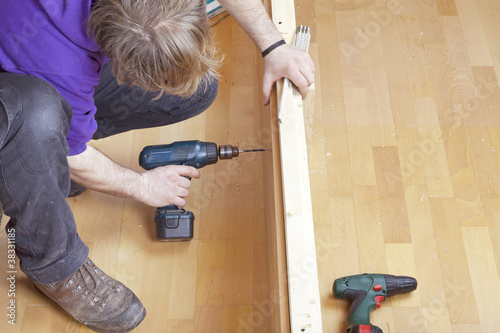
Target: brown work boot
96, 300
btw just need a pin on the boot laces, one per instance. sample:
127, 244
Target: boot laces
87, 278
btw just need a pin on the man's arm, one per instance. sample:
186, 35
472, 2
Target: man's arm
157, 187
284, 61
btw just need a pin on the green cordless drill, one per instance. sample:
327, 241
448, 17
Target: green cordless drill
174, 223
367, 291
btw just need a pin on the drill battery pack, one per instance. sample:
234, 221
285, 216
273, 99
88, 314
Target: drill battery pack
364, 329
174, 224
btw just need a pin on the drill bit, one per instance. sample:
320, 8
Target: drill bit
251, 150
227, 152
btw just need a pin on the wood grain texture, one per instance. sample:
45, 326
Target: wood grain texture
446, 7
428, 72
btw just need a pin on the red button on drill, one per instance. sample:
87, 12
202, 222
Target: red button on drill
377, 287
365, 328
379, 299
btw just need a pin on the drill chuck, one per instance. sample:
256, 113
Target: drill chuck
399, 284
227, 152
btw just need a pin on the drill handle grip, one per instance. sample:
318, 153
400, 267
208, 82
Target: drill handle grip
359, 314
356, 296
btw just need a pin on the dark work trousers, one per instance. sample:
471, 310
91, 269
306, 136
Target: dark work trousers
34, 172
120, 109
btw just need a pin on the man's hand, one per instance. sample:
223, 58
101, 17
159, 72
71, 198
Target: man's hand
167, 185
157, 187
284, 61
287, 61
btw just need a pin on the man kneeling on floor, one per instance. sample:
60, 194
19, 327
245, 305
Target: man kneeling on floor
147, 63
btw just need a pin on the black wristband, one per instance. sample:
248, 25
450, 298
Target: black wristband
272, 47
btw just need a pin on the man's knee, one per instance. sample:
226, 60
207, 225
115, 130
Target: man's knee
178, 109
201, 100
44, 110
208, 92
35, 113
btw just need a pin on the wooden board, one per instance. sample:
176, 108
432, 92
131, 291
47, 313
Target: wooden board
303, 289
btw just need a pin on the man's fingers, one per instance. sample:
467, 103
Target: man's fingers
184, 183
182, 192
179, 202
300, 82
189, 171
309, 76
177, 184
287, 61
267, 87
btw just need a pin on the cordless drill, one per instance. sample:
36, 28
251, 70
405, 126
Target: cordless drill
367, 291
174, 223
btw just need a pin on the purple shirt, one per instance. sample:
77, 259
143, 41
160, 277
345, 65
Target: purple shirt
48, 39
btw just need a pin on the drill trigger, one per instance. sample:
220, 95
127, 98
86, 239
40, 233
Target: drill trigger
378, 299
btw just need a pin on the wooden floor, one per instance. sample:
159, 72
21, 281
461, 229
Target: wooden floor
404, 158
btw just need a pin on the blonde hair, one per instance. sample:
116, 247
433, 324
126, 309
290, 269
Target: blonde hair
158, 45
